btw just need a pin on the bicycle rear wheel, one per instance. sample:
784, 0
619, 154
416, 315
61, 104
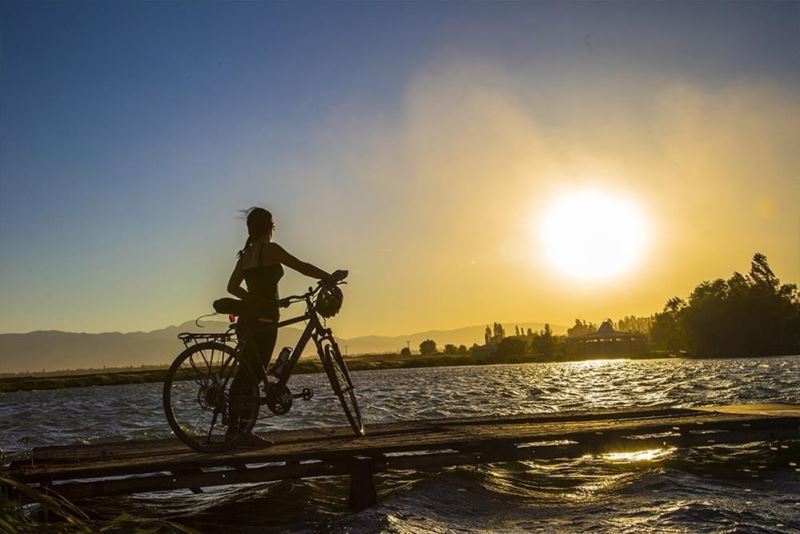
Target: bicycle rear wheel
202, 406
339, 376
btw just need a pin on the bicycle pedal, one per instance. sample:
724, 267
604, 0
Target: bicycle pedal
306, 394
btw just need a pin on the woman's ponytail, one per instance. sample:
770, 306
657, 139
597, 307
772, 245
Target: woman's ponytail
246, 246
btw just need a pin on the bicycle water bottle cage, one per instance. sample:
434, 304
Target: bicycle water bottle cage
280, 363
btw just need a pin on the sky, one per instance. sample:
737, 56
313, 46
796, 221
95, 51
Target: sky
417, 144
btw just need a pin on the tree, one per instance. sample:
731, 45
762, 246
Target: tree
462, 349
547, 340
512, 346
667, 331
487, 335
449, 348
581, 328
761, 274
746, 315
543, 343
631, 323
498, 333
427, 347
405, 351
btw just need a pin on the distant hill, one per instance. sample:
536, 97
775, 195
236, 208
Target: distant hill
53, 350
466, 336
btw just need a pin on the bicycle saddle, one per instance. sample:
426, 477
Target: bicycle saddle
232, 306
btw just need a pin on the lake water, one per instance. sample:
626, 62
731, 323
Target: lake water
721, 489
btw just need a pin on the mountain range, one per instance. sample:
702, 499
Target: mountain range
53, 350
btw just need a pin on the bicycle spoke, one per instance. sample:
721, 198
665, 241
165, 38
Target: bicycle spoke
197, 397
211, 428
227, 362
203, 355
213, 350
198, 371
233, 370
189, 374
186, 374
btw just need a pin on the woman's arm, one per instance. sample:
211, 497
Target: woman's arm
235, 283
290, 261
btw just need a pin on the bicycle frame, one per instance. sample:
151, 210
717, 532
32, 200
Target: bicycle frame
313, 330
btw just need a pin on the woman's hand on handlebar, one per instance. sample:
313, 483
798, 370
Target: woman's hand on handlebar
335, 277
332, 279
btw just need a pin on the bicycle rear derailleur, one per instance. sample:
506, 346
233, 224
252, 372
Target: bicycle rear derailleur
279, 398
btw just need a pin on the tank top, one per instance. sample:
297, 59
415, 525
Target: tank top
262, 280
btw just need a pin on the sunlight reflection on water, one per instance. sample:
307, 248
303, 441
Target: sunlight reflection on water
647, 455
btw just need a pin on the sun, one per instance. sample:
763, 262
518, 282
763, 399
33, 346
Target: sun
592, 234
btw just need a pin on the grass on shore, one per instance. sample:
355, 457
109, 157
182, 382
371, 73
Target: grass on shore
22, 509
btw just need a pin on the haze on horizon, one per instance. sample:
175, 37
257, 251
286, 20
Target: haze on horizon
418, 145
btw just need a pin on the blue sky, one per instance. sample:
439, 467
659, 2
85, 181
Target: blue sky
132, 133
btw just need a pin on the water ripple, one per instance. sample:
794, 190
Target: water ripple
749, 488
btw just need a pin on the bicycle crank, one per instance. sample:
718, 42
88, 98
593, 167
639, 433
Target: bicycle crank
279, 398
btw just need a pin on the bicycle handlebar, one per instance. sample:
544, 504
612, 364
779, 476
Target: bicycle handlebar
336, 278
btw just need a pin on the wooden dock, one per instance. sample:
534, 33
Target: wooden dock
82, 471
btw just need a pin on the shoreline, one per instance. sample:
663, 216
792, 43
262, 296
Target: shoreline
307, 365
365, 362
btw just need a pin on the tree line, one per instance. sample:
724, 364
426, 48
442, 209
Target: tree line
746, 315
498, 344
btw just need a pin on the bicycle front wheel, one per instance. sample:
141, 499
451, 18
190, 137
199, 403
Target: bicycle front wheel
211, 397
339, 376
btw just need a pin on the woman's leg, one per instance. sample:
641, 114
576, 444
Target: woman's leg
242, 385
256, 357
265, 340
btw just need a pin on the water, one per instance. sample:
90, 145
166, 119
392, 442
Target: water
723, 489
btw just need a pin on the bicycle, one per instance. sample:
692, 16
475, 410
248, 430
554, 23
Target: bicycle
207, 416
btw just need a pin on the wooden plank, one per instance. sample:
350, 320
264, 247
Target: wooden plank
570, 415
333, 449
768, 410
136, 449
165, 482
147, 448
414, 440
334, 444
434, 460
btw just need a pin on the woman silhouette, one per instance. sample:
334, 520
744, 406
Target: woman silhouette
260, 267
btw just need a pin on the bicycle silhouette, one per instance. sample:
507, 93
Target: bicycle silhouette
199, 403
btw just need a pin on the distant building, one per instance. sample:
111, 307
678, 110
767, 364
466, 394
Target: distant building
607, 342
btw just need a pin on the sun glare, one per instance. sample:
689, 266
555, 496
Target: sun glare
592, 235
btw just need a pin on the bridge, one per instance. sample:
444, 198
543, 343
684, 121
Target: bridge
84, 471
